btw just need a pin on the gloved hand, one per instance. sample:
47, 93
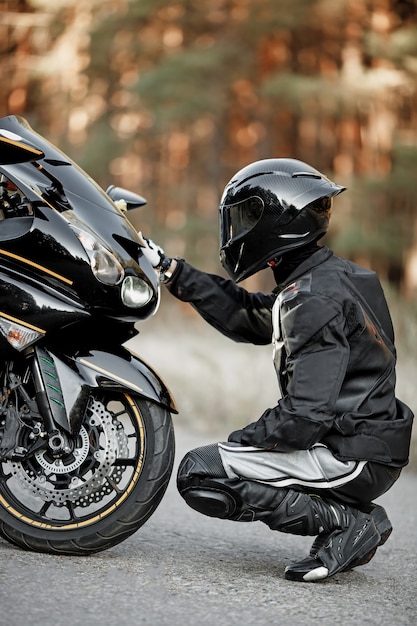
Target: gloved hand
156, 256
152, 251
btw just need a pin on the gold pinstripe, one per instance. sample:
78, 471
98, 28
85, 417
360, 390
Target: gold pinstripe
22, 323
22, 259
18, 144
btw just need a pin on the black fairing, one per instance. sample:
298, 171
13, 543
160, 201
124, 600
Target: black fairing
62, 194
48, 287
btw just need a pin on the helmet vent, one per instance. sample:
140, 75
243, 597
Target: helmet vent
305, 175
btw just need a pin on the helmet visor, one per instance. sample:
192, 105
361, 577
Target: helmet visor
239, 218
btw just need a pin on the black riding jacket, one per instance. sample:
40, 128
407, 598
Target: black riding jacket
333, 351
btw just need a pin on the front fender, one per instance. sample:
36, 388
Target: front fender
78, 374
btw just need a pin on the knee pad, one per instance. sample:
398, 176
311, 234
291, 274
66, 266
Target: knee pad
210, 501
196, 485
204, 462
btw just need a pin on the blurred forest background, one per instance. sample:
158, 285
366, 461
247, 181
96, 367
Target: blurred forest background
171, 97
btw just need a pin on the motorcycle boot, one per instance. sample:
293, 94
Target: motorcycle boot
353, 542
383, 526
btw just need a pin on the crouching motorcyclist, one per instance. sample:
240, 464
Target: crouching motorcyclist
338, 437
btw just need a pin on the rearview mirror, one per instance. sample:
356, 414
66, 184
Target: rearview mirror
124, 199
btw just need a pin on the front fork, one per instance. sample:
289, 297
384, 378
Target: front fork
50, 402
40, 409
62, 384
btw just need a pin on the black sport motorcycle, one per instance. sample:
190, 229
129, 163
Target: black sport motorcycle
86, 436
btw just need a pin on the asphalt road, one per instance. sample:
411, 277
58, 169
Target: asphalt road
183, 569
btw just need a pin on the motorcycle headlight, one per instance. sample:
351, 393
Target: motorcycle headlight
135, 292
106, 268
104, 265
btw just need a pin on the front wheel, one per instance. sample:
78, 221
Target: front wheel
101, 491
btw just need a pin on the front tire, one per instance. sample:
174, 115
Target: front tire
102, 492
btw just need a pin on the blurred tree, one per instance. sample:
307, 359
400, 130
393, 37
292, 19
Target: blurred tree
20, 33
171, 97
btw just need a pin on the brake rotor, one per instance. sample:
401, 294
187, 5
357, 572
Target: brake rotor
89, 469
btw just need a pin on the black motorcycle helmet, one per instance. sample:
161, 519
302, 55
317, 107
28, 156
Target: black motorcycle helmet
269, 207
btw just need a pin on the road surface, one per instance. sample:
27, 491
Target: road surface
184, 569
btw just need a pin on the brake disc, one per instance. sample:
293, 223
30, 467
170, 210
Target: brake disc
89, 469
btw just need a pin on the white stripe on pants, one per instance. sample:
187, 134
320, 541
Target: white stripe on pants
316, 467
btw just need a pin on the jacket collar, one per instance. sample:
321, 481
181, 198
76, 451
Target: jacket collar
317, 258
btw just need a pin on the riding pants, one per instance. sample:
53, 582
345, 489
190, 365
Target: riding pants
295, 492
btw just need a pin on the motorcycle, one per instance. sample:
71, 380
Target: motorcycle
86, 434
